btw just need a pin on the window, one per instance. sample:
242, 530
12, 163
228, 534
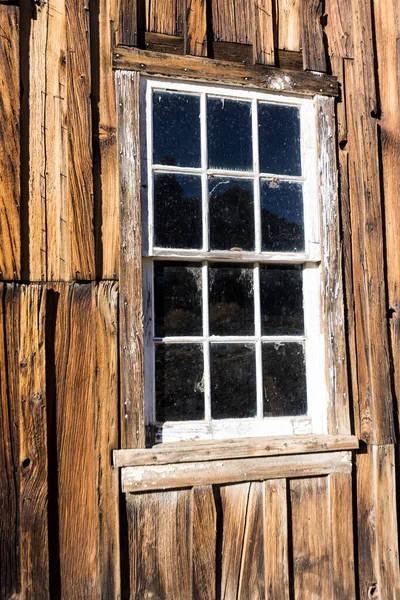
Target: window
233, 345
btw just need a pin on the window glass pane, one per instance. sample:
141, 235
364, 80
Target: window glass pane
279, 139
177, 299
284, 379
281, 290
179, 382
176, 129
177, 211
231, 213
282, 216
229, 134
231, 299
233, 381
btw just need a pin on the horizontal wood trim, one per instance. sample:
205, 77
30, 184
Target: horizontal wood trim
204, 69
181, 452
172, 476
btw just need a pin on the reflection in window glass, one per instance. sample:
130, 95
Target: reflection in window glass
279, 139
229, 134
231, 299
282, 216
177, 211
231, 213
284, 379
233, 381
179, 382
176, 129
281, 291
177, 299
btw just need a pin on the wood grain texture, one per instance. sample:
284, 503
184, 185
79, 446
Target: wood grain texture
160, 565
339, 29
204, 543
196, 28
288, 24
264, 27
234, 448
136, 479
106, 435
127, 29
252, 579
267, 78
373, 367
233, 21
165, 17
311, 538
276, 550
312, 36
10, 225
80, 175
131, 308
332, 272
33, 515
378, 552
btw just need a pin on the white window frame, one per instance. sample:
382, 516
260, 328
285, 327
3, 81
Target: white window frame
317, 396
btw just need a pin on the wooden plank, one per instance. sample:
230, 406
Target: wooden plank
127, 30
80, 177
377, 526
276, 539
160, 548
196, 28
373, 367
10, 226
341, 517
9, 535
165, 17
288, 24
311, 540
181, 452
76, 441
107, 417
204, 543
268, 78
339, 29
332, 273
234, 500
252, 578
131, 308
233, 21
264, 44
312, 36
136, 479
33, 516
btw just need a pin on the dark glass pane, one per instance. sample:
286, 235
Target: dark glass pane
177, 299
177, 211
281, 290
229, 134
231, 299
231, 213
282, 216
284, 380
176, 129
179, 382
279, 139
233, 381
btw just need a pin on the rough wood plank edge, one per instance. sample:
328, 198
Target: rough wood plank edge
228, 449
332, 272
276, 553
312, 35
196, 28
264, 43
268, 78
126, 32
131, 308
140, 479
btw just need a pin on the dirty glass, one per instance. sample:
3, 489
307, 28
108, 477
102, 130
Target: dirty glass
231, 208
282, 216
229, 134
177, 211
177, 299
231, 299
279, 139
233, 381
284, 379
179, 382
176, 129
281, 291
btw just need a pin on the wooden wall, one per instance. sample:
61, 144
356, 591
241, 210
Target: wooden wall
65, 527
